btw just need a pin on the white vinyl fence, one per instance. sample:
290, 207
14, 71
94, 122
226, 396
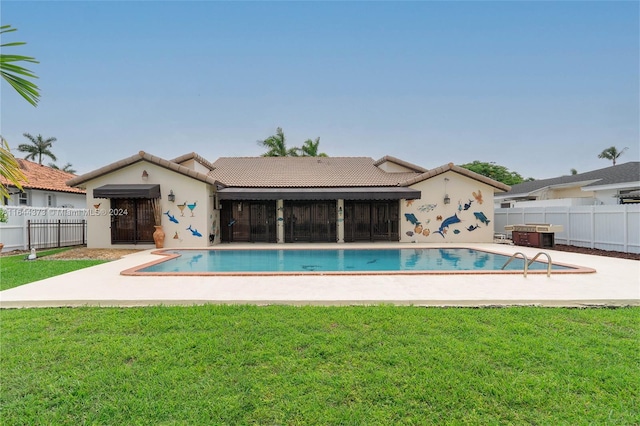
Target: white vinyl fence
42, 227
606, 227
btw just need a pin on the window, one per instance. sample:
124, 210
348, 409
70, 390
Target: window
23, 199
51, 200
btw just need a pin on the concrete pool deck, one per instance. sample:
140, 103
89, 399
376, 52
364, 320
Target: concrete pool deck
616, 282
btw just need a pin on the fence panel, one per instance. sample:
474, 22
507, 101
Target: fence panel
46, 234
607, 227
15, 233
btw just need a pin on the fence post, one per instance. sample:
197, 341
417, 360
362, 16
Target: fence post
29, 234
84, 224
59, 226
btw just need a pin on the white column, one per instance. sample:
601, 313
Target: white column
340, 221
280, 220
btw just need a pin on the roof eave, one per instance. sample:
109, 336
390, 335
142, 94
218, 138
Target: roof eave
141, 156
460, 170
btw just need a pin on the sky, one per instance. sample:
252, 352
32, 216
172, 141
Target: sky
537, 87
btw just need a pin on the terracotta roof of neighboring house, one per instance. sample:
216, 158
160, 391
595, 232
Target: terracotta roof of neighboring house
44, 178
140, 156
457, 169
620, 174
193, 156
298, 172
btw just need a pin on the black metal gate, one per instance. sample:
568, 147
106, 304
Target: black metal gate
263, 222
244, 221
131, 221
61, 233
310, 221
371, 221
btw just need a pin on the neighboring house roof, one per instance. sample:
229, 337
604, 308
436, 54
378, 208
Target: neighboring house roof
140, 156
44, 178
303, 172
620, 175
456, 169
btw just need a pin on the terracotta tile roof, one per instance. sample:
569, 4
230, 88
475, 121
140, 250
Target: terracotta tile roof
401, 163
296, 172
44, 178
457, 169
140, 156
193, 156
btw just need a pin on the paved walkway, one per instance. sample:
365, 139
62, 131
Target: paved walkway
616, 282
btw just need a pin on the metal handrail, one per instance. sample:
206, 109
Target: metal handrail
549, 263
513, 256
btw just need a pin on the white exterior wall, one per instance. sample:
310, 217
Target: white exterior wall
186, 190
38, 198
431, 212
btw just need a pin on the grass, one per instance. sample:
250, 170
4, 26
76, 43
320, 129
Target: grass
15, 271
286, 365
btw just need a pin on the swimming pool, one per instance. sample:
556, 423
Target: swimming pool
337, 261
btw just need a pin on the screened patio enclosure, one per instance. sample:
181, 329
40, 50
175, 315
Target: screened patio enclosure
294, 215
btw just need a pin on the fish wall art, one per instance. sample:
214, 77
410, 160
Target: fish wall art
171, 218
446, 223
481, 217
194, 232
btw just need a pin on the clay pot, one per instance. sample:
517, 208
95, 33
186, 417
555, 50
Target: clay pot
158, 237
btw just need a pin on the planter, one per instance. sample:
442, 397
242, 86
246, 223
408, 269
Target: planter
1, 247
158, 237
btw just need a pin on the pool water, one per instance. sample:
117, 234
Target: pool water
338, 261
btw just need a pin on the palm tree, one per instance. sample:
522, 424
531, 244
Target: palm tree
310, 149
9, 169
38, 148
612, 153
277, 146
11, 72
66, 168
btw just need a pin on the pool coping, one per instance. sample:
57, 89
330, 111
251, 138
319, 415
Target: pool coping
615, 283
136, 270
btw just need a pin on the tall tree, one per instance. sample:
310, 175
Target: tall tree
612, 153
38, 148
495, 172
277, 146
66, 168
310, 149
13, 74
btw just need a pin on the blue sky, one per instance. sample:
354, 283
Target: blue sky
538, 87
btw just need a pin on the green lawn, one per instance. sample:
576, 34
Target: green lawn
378, 365
15, 271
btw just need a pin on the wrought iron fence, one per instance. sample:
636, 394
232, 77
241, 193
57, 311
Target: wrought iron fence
61, 233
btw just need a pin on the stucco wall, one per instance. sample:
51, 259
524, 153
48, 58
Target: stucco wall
187, 191
38, 198
467, 218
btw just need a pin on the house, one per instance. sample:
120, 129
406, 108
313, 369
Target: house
45, 187
619, 184
284, 200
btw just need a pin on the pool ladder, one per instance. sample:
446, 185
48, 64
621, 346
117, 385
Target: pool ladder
528, 263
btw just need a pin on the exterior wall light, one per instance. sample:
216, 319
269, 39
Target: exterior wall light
145, 175
171, 197
446, 200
